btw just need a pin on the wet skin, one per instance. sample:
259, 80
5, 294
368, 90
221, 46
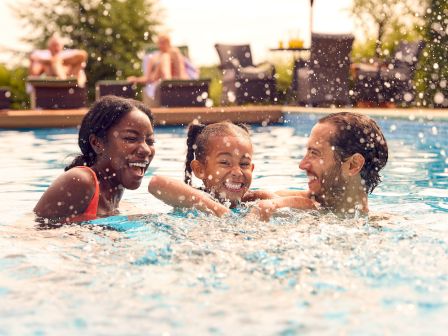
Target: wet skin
325, 175
122, 159
127, 151
227, 170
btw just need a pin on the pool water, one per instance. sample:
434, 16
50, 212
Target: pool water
165, 272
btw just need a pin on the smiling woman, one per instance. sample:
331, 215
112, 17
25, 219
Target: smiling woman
116, 139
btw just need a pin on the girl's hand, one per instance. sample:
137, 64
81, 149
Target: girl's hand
265, 208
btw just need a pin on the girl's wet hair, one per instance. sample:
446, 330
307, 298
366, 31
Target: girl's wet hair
198, 136
357, 133
103, 114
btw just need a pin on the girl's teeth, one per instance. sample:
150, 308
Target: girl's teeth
233, 185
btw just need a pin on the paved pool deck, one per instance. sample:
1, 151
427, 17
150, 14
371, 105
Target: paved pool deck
251, 114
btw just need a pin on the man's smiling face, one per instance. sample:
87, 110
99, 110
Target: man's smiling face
325, 179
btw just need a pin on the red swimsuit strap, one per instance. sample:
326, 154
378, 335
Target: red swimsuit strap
92, 209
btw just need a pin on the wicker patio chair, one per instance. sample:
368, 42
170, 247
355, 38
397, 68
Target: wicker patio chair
324, 79
242, 81
389, 82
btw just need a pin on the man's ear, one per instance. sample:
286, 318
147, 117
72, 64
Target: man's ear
96, 143
198, 169
253, 166
355, 164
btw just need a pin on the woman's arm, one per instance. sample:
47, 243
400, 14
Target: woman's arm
178, 194
68, 196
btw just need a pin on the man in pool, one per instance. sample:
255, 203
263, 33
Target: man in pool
345, 153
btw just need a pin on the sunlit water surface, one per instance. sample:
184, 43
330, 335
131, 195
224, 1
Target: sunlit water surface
177, 273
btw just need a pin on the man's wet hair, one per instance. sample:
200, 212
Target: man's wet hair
357, 133
103, 114
198, 136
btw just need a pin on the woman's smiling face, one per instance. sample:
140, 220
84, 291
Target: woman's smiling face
227, 170
127, 150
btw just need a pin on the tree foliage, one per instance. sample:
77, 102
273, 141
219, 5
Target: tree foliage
433, 77
113, 32
14, 80
393, 20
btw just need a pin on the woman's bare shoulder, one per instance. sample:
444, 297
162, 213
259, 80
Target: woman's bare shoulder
68, 194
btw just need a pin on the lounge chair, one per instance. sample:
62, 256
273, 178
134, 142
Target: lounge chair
324, 79
49, 92
389, 82
54, 93
5, 98
243, 82
114, 87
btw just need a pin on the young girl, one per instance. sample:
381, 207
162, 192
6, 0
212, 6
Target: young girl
116, 139
220, 155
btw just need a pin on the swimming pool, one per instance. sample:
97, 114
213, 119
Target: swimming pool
174, 273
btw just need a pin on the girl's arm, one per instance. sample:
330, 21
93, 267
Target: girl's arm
285, 193
68, 196
178, 194
268, 207
253, 195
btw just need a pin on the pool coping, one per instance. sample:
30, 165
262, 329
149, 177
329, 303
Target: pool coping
252, 114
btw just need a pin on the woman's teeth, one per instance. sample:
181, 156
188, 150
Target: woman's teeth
138, 164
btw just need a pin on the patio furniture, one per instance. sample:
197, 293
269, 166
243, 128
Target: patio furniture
324, 79
182, 93
190, 92
291, 95
114, 87
5, 98
242, 81
389, 82
54, 93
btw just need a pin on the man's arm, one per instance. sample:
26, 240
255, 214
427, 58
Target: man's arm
178, 194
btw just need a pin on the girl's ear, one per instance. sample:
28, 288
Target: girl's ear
355, 164
96, 143
198, 169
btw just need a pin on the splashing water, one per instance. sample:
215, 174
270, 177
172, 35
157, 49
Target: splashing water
183, 272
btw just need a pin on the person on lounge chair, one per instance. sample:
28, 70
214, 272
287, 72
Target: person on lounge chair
59, 62
165, 63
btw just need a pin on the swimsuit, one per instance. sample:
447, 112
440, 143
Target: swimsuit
92, 208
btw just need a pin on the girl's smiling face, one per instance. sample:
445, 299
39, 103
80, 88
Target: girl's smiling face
227, 170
